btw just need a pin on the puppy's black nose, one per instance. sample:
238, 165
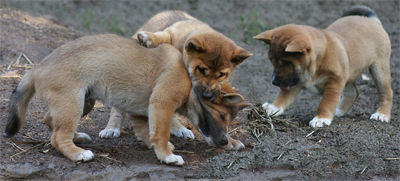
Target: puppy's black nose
207, 95
275, 82
224, 140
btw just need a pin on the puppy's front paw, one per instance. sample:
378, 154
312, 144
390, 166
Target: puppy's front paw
379, 117
110, 133
183, 132
173, 160
320, 122
272, 110
144, 39
81, 138
234, 145
87, 155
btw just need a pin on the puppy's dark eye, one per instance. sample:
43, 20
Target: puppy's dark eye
202, 71
221, 75
285, 63
222, 116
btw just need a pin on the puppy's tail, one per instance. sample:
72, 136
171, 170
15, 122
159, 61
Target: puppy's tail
362, 11
18, 104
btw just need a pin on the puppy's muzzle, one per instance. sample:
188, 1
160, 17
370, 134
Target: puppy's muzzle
206, 93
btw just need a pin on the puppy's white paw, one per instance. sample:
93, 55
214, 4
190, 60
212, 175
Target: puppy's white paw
143, 38
379, 117
80, 138
183, 132
87, 155
320, 122
237, 145
272, 110
110, 133
173, 160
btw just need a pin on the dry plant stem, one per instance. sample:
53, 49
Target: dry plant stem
31, 137
110, 158
27, 59
388, 159
363, 170
16, 146
29, 149
309, 134
100, 162
269, 120
231, 164
183, 151
233, 130
280, 155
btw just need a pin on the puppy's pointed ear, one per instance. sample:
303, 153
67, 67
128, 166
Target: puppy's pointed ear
195, 44
232, 99
299, 46
265, 36
239, 55
243, 105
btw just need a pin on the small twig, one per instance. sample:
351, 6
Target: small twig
29, 149
106, 156
233, 130
256, 135
16, 146
289, 142
183, 151
214, 149
280, 155
388, 159
272, 125
363, 170
31, 137
12, 62
27, 59
231, 163
309, 134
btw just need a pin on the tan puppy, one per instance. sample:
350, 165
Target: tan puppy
209, 56
149, 84
328, 62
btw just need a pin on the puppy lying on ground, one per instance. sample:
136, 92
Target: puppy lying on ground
328, 62
148, 84
209, 56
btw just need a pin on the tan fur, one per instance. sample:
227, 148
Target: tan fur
328, 62
209, 56
202, 48
148, 84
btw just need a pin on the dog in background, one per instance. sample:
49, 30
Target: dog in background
327, 62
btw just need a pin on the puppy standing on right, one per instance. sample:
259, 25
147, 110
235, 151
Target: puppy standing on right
328, 62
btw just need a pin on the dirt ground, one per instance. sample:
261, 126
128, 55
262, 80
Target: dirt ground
352, 148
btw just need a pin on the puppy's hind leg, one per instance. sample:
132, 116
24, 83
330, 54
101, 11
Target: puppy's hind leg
79, 137
380, 73
65, 112
349, 96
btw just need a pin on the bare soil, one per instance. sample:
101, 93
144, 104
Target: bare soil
352, 148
